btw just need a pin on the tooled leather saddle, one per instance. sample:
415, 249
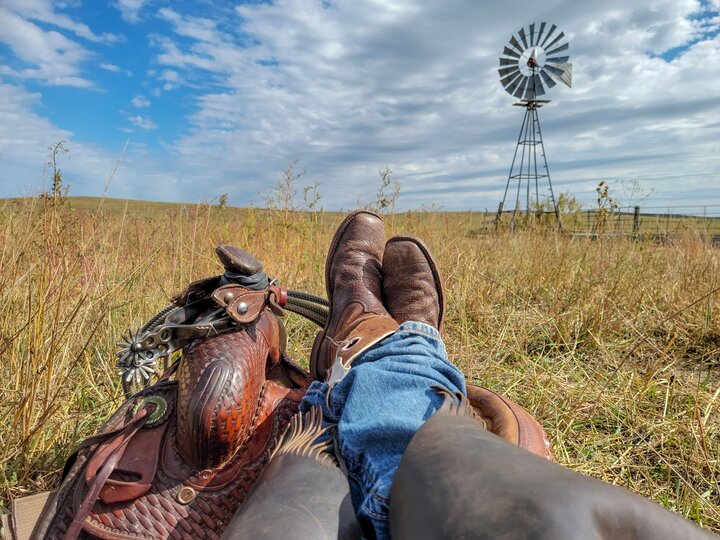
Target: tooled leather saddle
178, 458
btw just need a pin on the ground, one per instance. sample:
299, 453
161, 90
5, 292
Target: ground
613, 344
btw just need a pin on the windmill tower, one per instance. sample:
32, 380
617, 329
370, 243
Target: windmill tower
538, 59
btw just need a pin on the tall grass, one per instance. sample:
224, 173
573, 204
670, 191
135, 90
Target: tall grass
613, 345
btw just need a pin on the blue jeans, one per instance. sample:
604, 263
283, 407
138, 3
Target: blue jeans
377, 408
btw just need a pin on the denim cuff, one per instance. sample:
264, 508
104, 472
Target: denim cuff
415, 327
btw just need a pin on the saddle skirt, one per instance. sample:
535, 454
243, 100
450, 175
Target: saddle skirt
178, 458
152, 491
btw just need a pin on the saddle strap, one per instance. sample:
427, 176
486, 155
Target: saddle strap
509, 421
116, 448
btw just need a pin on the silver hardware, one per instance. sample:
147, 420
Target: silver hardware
242, 308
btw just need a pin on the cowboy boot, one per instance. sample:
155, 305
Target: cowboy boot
412, 288
413, 291
357, 319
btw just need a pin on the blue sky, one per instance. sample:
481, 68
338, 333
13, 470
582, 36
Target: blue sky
196, 99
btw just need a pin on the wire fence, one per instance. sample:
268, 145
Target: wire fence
650, 220
645, 221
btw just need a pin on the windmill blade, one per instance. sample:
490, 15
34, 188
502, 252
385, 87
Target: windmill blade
508, 61
563, 73
534, 88
520, 81
550, 33
548, 79
517, 82
511, 80
509, 52
507, 71
558, 60
554, 41
521, 33
532, 34
514, 43
554, 71
561, 48
521, 88
539, 88
507, 81
540, 33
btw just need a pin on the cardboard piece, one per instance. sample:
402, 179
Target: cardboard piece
25, 514
5, 533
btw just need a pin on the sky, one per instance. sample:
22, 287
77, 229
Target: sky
185, 101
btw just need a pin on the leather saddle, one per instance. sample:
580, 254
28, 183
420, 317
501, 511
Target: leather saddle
179, 458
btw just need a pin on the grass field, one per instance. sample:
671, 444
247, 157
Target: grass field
613, 345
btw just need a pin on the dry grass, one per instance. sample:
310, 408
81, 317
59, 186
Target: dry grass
613, 345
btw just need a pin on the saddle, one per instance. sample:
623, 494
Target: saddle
179, 457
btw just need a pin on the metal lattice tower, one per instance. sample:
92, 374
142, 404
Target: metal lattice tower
526, 64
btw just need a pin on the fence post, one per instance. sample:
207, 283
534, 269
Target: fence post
499, 213
636, 220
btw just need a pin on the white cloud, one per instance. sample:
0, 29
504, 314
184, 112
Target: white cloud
142, 122
24, 138
54, 58
140, 102
48, 54
130, 9
42, 10
349, 89
172, 79
198, 28
170, 76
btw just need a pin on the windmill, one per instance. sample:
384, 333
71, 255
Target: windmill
531, 62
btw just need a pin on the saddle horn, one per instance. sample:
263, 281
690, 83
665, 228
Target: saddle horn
222, 379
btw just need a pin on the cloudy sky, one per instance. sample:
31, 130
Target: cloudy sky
196, 99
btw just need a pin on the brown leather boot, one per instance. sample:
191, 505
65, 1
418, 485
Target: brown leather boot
412, 288
353, 280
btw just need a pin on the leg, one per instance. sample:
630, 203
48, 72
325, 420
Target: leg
388, 394
457, 480
379, 406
